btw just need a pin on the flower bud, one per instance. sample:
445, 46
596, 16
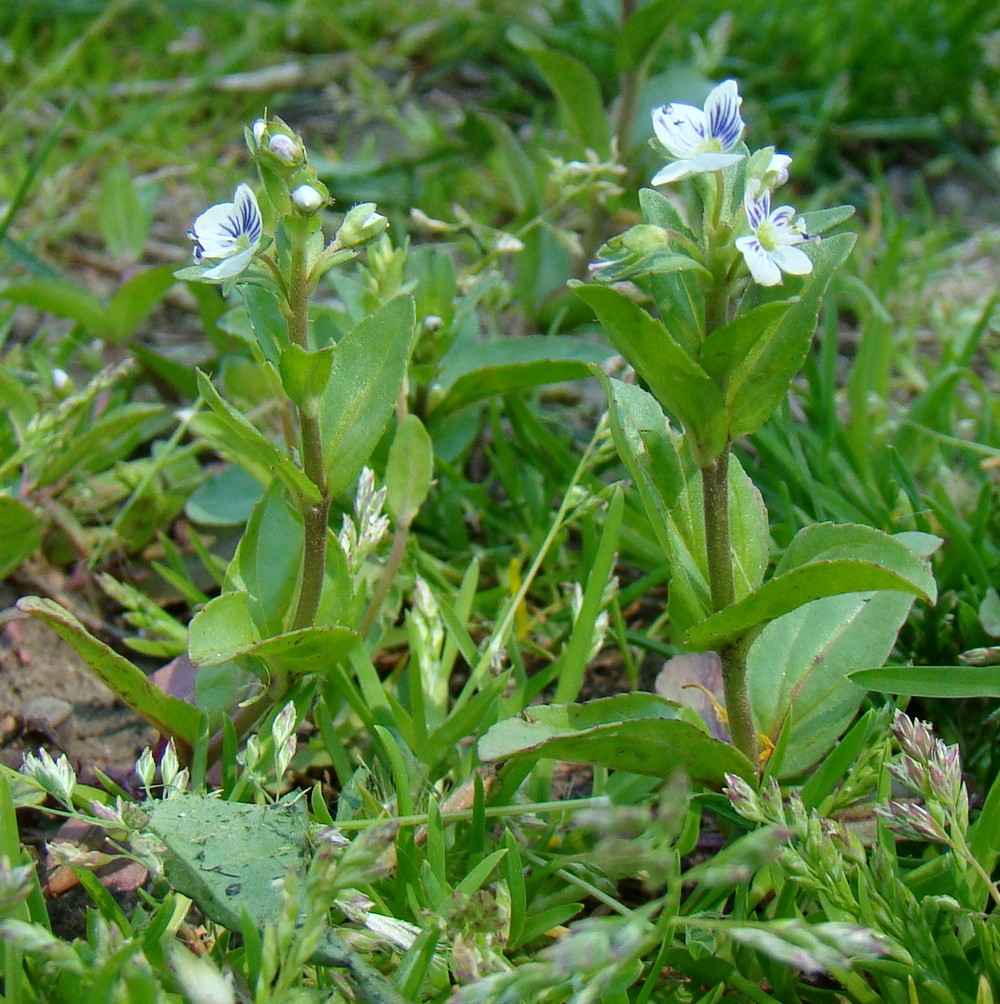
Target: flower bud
284, 148
307, 199
644, 238
15, 884
145, 769
276, 146
57, 777
361, 226
777, 170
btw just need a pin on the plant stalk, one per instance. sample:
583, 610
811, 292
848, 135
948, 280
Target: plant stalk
715, 489
628, 89
315, 516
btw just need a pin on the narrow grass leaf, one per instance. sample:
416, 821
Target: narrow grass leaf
932, 681
573, 664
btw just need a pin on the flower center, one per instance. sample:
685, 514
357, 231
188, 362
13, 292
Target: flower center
767, 235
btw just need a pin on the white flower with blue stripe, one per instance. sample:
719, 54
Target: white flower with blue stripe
769, 249
229, 234
700, 140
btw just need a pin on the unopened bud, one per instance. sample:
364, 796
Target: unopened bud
258, 130
284, 148
307, 199
361, 226
645, 238
777, 169
145, 768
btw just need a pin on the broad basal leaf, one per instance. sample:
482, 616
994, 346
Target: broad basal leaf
823, 560
639, 733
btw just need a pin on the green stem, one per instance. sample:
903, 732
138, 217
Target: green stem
715, 488
315, 517
629, 88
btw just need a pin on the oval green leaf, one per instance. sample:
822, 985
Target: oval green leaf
640, 733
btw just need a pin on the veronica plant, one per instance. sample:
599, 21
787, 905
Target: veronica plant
292, 599
716, 312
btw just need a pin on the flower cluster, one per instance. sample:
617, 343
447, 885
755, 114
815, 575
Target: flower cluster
360, 536
932, 770
708, 140
228, 237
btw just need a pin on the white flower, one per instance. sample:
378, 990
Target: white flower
700, 141
258, 130
228, 233
769, 249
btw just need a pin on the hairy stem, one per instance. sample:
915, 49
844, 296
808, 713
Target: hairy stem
629, 90
315, 516
715, 488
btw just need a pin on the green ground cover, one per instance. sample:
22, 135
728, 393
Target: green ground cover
449, 532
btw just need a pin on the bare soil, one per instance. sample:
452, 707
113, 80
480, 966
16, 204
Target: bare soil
49, 698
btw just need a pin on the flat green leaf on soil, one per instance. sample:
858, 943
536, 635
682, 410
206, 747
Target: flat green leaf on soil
232, 858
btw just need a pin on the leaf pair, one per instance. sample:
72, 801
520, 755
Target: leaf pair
728, 385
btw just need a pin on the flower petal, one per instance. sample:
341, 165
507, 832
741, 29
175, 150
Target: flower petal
680, 128
757, 210
674, 171
703, 163
791, 260
249, 213
783, 217
215, 230
232, 265
722, 112
762, 267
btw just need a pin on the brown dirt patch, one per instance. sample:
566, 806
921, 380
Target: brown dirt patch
49, 698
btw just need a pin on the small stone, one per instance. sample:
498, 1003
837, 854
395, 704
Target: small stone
46, 711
